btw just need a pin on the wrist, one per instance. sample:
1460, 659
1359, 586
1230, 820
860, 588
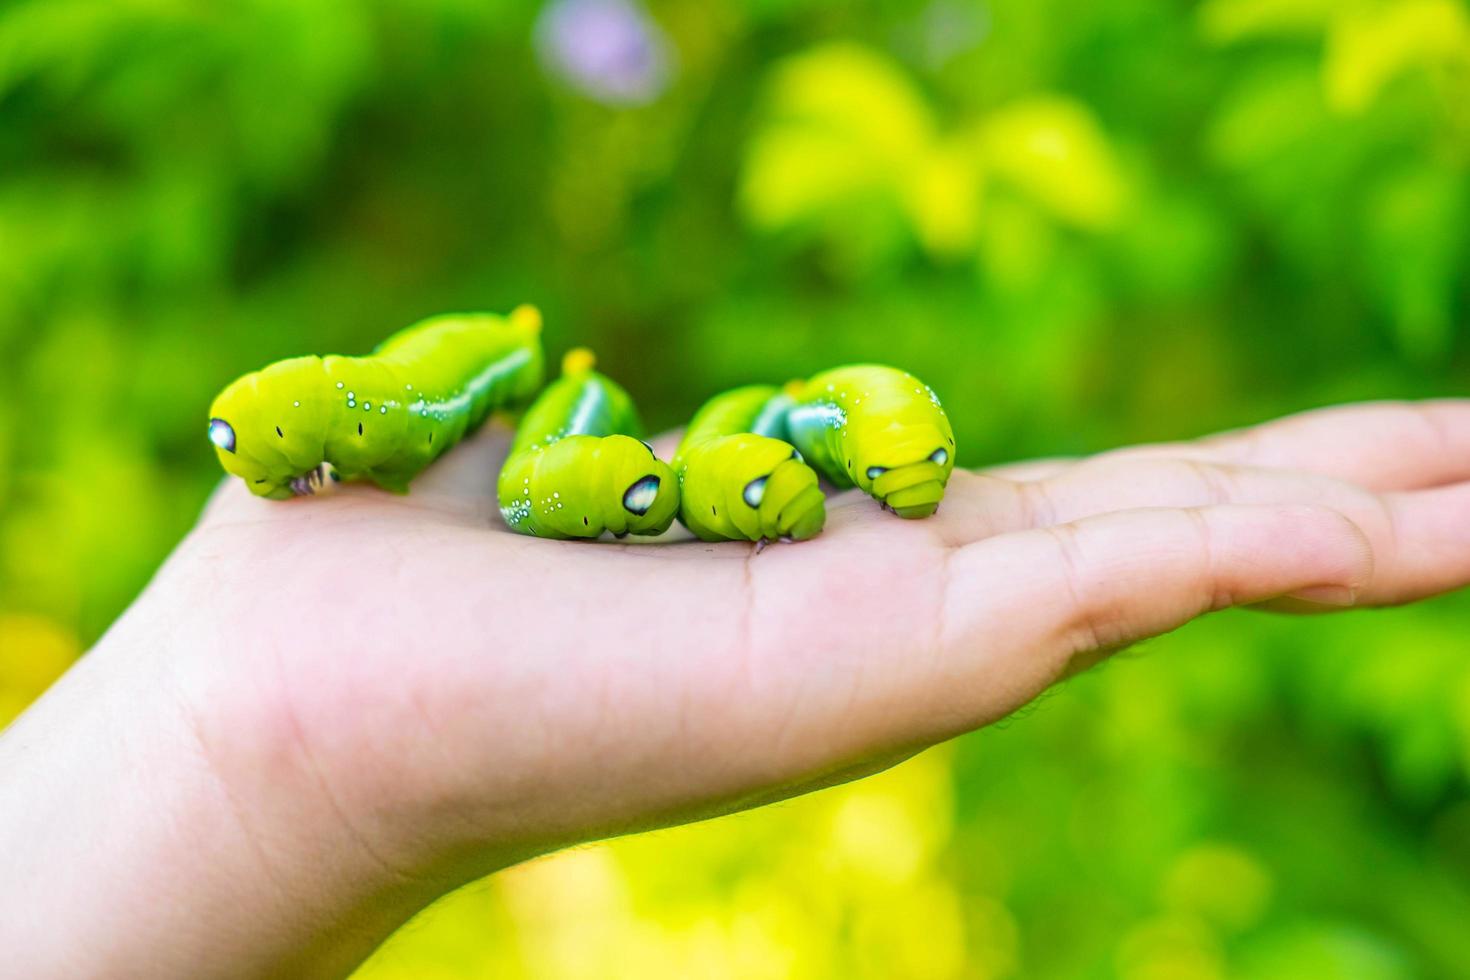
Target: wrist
128, 851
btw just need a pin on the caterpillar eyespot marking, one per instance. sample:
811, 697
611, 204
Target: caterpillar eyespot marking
578, 465
222, 435
736, 460
754, 491
641, 495
463, 367
876, 471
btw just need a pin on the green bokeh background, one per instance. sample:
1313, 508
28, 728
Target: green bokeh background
1083, 223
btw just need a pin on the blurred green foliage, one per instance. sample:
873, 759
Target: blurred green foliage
1084, 223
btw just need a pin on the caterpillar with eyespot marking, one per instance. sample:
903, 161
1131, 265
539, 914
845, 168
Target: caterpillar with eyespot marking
296, 425
739, 476
747, 458
577, 466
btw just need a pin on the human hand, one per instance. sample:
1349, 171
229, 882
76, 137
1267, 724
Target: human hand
323, 714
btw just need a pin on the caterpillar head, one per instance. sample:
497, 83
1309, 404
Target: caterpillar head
751, 487
581, 486
263, 434
903, 465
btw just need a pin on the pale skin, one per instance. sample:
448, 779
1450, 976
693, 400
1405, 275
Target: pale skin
323, 714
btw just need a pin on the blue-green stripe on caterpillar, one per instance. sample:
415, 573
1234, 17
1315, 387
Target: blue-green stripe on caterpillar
879, 429
294, 426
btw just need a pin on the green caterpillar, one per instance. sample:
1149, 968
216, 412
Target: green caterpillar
577, 467
286, 429
739, 477
873, 427
879, 429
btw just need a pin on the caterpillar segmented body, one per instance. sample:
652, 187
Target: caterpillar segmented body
577, 467
286, 429
743, 462
740, 479
879, 429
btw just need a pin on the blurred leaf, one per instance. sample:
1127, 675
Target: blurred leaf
1370, 45
1054, 150
1227, 21
1084, 224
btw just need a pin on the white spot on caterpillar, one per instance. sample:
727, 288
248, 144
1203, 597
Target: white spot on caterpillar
352, 394
295, 404
516, 512
339, 384
383, 409
367, 406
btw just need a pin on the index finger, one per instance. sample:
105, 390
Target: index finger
1377, 445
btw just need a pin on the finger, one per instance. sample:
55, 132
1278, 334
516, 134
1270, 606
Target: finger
1030, 469
980, 507
1421, 543
1380, 445
1426, 545
1021, 610
1422, 537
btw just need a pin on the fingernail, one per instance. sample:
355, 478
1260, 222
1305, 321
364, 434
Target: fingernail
1327, 595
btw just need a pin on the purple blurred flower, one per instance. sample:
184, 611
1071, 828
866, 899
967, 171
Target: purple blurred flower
949, 28
610, 50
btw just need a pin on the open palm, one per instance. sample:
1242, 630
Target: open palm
423, 696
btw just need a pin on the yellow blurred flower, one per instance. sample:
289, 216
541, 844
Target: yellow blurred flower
1054, 150
849, 137
33, 652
